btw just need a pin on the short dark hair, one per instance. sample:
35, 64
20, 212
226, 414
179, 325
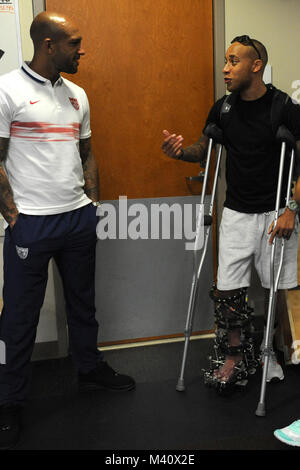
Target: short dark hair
257, 46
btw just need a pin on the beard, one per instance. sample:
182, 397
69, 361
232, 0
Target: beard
67, 65
241, 86
71, 68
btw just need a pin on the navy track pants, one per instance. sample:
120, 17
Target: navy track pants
70, 239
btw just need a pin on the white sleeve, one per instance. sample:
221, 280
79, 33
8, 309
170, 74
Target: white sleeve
6, 114
85, 129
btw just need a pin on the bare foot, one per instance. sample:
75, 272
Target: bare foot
226, 371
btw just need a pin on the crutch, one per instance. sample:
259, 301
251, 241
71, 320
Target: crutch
287, 140
215, 136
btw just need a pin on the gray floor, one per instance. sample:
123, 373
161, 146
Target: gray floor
155, 415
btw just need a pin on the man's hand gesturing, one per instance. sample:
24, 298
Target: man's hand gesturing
172, 145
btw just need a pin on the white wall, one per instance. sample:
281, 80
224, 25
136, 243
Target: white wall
276, 24
26, 17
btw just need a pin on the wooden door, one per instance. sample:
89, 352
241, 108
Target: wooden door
148, 67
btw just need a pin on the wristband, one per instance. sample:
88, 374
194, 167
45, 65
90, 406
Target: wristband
293, 206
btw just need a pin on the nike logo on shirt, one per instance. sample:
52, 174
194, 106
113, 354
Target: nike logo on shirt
33, 102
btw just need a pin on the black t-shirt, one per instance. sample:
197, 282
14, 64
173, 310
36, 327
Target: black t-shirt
253, 154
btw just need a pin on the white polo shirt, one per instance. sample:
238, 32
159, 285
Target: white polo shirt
44, 124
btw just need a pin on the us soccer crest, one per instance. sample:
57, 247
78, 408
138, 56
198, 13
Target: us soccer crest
22, 252
74, 102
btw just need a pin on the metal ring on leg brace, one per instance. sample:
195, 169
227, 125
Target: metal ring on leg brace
232, 313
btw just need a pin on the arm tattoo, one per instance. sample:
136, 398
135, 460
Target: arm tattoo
7, 205
3, 148
197, 151
90, 170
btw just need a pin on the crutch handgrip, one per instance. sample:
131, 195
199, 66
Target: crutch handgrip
208, 220
214, 132
284, 135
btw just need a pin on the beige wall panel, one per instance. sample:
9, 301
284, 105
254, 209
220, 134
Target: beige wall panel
276, 24
26, 17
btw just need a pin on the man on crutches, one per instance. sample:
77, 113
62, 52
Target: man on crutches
249, 119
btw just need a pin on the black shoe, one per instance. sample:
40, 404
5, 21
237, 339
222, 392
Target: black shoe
10, 426
105, 378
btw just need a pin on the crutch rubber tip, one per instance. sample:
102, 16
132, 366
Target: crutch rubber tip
180, 386
261, 410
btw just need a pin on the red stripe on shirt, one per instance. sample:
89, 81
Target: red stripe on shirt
18, 127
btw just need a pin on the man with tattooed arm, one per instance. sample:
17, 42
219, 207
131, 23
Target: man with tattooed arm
49, 194
247, 230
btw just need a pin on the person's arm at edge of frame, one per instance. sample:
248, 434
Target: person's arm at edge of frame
286, 222
8, 207
90, 170
195, 153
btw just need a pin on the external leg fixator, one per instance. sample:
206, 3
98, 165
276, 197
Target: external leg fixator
232, 313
